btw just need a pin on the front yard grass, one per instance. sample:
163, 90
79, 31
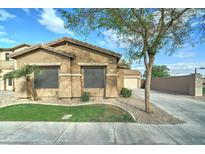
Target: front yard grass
85, 113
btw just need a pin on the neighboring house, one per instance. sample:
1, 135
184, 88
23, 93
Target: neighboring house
7, 65
132, 79
70, 67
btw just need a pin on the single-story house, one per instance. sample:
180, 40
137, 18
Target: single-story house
70, 67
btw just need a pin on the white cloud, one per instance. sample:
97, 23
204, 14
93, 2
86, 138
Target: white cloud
2, 33
184, 54
26, 10
184, 68
194, 24
4, 15
3, 36
7, 40
52, 22
113, 40
178, 69
110, 39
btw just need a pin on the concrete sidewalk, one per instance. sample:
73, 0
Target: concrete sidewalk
98, 133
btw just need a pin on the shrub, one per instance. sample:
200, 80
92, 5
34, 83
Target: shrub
85, 97
126, 92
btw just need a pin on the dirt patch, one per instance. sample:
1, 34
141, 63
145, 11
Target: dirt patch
136, 105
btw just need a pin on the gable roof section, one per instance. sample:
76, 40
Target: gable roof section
131, 72
84, 44
122, 65
15, 47
50, 49
20, 46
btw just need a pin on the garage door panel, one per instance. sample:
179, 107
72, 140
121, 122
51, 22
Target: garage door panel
131, 83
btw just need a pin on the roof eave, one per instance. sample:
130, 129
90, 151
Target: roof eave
16, 54
87, 45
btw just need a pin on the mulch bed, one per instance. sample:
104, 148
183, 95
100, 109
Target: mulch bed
136, 105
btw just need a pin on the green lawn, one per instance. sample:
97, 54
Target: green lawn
85, 113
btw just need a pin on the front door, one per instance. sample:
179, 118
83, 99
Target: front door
94, 80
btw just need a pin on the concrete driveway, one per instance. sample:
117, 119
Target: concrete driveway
192, 132
187, 109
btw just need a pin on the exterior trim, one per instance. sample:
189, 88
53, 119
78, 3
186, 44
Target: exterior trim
92, 64
111, 74
68, 74
45, 64
50, 49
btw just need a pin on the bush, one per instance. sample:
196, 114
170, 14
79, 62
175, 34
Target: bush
126, 92
85, 97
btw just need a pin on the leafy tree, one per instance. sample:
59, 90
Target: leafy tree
126, 62
143, 32
25, 72
159, 71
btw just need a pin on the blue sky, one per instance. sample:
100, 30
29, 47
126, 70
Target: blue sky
36, 26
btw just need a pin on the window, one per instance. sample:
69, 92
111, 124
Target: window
47, 78
94, 77
10, 81
7, 56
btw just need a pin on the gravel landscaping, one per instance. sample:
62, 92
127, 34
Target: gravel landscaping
135, 104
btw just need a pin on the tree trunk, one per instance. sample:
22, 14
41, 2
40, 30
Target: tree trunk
147, 92
148, 83
28, 87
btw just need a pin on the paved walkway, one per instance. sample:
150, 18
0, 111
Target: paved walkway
98, 133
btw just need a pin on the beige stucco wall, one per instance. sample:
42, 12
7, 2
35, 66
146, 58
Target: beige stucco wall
5, 67
2, 54
88, 57
130, 81
70, 72
120, 79
43, 57
5, 84
198, 85
187, 85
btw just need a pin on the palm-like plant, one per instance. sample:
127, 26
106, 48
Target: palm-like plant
24, 72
